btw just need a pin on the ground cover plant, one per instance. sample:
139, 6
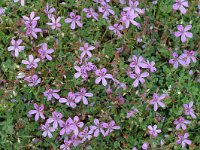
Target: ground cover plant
99, 74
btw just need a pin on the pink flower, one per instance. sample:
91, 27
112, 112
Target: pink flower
188, 56
33, 80
183, 32
122, 1
101, 1
150, 66
66, 145
176, 60
29, 21
180, 5
22, 2
49, 11
31, 63
44, 52
15, 47
81, 72
67, 127
91, 13
97, 128
69, 100
47, 130
31, 30
153, 130
55, 24
128, 18
82, 95
145, 146
74, 19
101, 73
181, 122
182, 139
106, 10
133, 8
86, 50
110, 127
75, 140
157, 101
116, 28
38, 111
86, 134
77, 124
189, 110
55, 119
139, 77
51, 93
132, 112
137, 63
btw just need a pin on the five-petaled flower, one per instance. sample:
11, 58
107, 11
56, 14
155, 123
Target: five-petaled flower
181, 122
33, 80
51, 93
38, 111
97, 128
180, 5
183, 32
101, 73
67, 127
69, 100
182, 139
86, 134
29, 21
82, 95
86, 50
31, 63
116, 28
137, 63
15, 47
55, 119
110, 127
189, 110
139, 77
91, 13
106, 10
44, 52
55, 24
157, 101
176, 60
47, 130
153, 130
74, 19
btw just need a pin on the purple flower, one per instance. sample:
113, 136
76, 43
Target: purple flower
110, 127
188, 56
22, 2
31, 30
97, 128
31, 63
133, 8
106, 10
66, 145
82, 95
189, 110
47, 130
49, 11
150, 66
15, 47
77, 124
55, 119
116, 28
180, 5
145, 146
139, 77
81, 72
182, 139
101, 73
38, 111
137, 63
157, 101
91, 13
75, 140
1, 11
67, 127
153, 130
128, 18
69, 100
183, 32
181, 122
90, 66
51, 93
44, 52
86, 134
176, 60
29, 21
55, 24
33, 80
132, 112
74, 19
86, 50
